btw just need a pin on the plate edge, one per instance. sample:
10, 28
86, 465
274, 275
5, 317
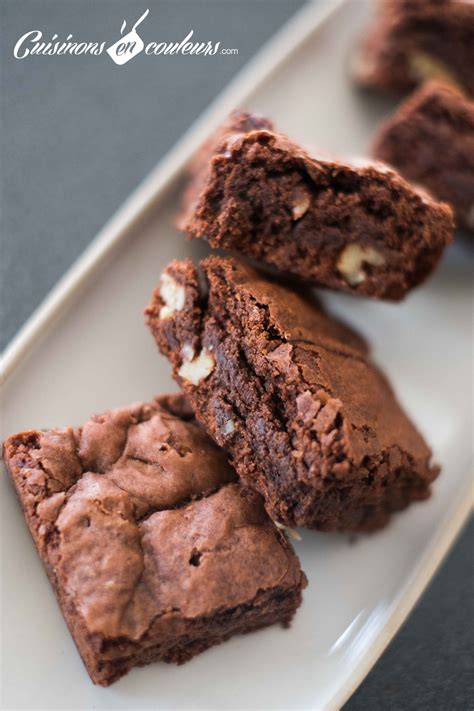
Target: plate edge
308, 20
413, 590
275, 52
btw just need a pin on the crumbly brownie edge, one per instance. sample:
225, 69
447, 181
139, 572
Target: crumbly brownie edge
402, 47
221, 396
362, 230
277, 606
430, 140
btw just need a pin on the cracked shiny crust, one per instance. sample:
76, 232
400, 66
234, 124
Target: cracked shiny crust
430, 140
316, 428
261, 195
153, 551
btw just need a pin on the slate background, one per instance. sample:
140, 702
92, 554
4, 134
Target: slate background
77, 137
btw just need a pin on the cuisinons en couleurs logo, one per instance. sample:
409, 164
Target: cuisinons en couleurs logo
130, 44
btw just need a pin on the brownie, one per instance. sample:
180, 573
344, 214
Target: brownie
430, 140
415, 40
154, 550
291, 394
361, 228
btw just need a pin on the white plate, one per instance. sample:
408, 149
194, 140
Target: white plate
87, 349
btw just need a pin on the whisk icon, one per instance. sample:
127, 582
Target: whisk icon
127, 46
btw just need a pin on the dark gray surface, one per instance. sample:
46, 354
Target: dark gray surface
430, 663
78, 135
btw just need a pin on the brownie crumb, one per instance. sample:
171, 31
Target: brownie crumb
358, 228
315, 427
154, 551
430, 140
413, 41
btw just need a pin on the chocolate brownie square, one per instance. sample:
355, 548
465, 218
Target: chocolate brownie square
412, 41
292, 395
155, 552
361, 229
430, 140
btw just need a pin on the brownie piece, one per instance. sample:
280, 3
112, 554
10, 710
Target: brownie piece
430, 140
415, 40
153, 549
291, 395
360, 229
